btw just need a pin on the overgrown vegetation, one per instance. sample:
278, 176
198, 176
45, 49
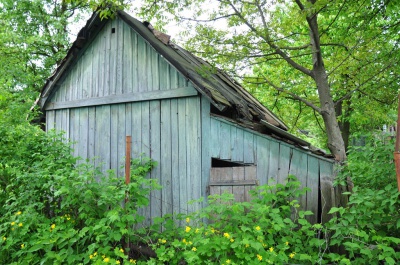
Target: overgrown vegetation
54, 212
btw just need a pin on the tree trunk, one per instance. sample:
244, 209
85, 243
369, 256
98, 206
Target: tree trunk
319, 74
344, 123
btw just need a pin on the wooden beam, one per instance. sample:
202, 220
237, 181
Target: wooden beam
131, 97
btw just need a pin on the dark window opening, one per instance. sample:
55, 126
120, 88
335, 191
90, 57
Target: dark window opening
215, 162
229, 112
113, 30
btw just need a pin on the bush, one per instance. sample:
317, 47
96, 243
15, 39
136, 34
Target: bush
56, 212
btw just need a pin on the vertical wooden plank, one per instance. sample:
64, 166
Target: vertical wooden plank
50, 120
142, 60
102, 60
234, 143
215, 176
96, 50
127, 59
136, 129
119, 57
273, 168
327, 190
102, 132
122, 133
155, 154
284, 161
175, 182
91, 132
298, 168
183, 160
248, 147
250, 173
238, 191
227, 176
163, 74
73, 129
225, 139
165, 162
115, 135
205, 145
313, 183
83, 133
194, 150
262, 159
113, 35
215, 140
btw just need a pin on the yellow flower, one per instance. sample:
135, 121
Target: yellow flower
197, 230
12, 223
187, 219
90, 256
259, 257
20, 224
292, 255
53, 226
18, 213
103, 256
258, 228
184, 240
228, 261
212, 230
4, 238
121, 250
194, 249
227, 235
106, 259
132, 261
247, 245
22, 245
232, 240
95, 254
271, 249
118, 262
287, 243
187, 229
162, 241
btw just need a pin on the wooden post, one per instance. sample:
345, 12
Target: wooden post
397, 148
128, 159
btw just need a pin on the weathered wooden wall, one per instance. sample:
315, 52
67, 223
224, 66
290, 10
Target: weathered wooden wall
120, 86
158, 110
274, 159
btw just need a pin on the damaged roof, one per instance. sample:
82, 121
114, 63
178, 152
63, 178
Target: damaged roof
224, 93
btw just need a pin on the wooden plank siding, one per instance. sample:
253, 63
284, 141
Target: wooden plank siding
116, 64
274, 161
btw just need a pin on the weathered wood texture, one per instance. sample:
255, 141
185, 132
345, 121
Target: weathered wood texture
118, 67
274, 161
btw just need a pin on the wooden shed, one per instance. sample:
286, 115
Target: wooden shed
207, 133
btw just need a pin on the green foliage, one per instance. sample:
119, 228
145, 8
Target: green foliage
54, 211
371, 165
269, 229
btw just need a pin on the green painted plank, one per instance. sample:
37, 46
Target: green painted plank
128, 59
136, 129
313, 184
119, 58
327, 190
175, 155
155, 154
83, 133
145, 146
50, 120
273, 169
284, 162
73, 130
115, 135
182, 157
205, 145
248, 147
165, 162
262, 159
194, 150
121, 142
102, 137
143, 60
91, 132
215, 145
298, 168
224, 141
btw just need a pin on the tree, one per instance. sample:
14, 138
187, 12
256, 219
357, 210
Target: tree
326, 55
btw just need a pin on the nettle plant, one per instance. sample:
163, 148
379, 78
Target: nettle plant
267, 230
58, 213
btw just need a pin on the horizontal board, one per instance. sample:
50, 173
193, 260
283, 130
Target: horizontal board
235, 182
131, 97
